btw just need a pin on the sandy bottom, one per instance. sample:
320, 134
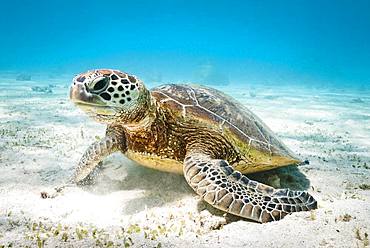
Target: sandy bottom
42, 137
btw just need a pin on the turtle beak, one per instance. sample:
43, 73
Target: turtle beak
88, 102
79, 94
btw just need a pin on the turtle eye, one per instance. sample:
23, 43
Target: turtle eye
99, 85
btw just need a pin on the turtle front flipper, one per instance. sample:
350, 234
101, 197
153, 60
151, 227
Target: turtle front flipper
90, 160
93, 156
226, 189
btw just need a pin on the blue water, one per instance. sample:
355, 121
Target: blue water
304, 42
302, 66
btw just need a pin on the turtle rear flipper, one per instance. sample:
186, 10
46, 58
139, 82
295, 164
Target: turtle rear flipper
226, 189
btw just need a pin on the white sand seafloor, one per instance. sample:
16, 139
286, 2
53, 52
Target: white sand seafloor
42, 137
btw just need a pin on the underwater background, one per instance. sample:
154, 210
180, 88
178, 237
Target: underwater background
303, 67
243, 42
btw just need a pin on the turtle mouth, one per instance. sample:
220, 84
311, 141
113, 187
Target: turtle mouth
89, 103
94, 108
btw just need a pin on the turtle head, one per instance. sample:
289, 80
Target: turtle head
110, 96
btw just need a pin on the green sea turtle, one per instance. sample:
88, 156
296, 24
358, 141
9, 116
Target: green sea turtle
199, 132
